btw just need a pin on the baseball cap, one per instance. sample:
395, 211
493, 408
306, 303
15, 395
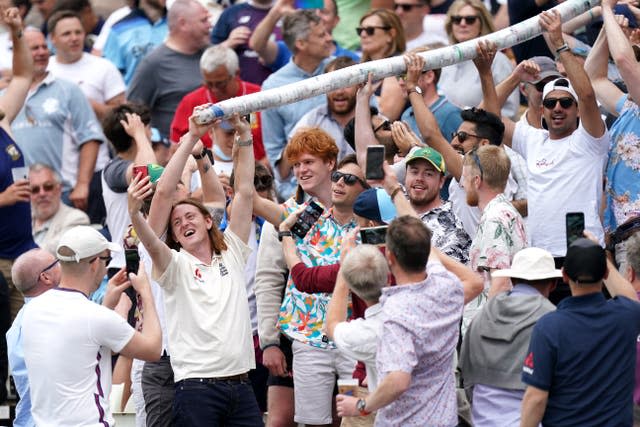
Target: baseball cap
84, 241
375, 204
430, 155
547, 68
585, 261
530, 264
559, 84
226, 126
157, 138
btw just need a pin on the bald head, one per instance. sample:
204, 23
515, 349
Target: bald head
35, 272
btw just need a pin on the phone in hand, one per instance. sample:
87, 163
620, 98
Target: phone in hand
374, 235
574, 222
142, 170
375, 159
132, 259
307, 218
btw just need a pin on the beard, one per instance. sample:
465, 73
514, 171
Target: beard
472, 197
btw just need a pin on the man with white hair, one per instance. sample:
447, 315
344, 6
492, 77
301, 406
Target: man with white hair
68, 339
221, 80
33, 273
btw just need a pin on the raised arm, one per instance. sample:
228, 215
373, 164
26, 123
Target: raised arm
483, 61
427, 124
13, 99
134, 127
260, 41
621, 49
364, 135
472, 282
596, 67
589, 112
212, 189
244, 170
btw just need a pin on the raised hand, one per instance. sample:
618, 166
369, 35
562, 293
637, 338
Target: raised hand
415, 67
138, 191
133, 126
486, 53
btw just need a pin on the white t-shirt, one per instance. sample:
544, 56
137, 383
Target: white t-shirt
67, 342
98, 78
358, 340
564, 175
428, 37
207, 313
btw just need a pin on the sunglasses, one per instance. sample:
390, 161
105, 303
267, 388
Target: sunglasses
47, 186
550, 103
463, 136
469, 19
349, 179
406, 7
107, 259
371, 30
386, 125
49, 267
476, 159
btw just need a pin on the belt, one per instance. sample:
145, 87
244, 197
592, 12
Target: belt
239, 377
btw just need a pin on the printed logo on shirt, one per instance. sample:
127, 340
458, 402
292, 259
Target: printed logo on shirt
198, 276
244, 19
528, 364
545, 164
13, 152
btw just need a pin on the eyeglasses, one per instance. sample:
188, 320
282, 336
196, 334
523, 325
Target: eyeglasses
106, 258
406, 7
49, 267
386, 125
469, 19
371, 30
463, 136
349, 179
476, 159
550, 103
46, 187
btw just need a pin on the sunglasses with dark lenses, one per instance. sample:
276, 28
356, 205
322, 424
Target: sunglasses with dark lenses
469, 19
463, 136
348, 178
386, 125
371, 30
405, 7
476, 159
550, 103
47, 186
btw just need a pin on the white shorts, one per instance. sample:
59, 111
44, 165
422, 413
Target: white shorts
314, 378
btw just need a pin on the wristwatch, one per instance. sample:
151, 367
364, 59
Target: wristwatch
416, 90
202, 154
282, 234
361, 404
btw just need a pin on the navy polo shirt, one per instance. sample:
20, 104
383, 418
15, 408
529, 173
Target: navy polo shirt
584, 355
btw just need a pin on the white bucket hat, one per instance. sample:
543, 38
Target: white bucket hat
531, 264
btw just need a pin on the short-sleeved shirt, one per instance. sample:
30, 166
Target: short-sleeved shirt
67, 341
321, 117
583, 354
54, 123
622, 188
564, 175
15, 227
447, 115
208, 313
447, 232
302, 314
419, 337
131, 39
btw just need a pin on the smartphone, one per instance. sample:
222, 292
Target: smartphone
143, 170
374, 235
375, 159
132, 259
307, 218
308, 4
575, 226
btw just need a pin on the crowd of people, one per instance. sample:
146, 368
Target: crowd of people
267, 268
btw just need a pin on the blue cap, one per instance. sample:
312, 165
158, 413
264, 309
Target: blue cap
375, 204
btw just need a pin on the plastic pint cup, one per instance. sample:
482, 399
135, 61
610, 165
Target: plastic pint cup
348, 387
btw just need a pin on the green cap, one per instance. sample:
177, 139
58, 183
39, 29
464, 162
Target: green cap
430, 155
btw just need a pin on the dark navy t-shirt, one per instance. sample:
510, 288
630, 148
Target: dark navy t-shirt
15, 220
584, 355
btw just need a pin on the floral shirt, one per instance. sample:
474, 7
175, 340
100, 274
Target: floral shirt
623, 170
501, 234
448, 234
419, 336
302, 314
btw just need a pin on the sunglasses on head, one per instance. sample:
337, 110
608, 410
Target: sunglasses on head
405, 7
371, 30
348, 178
476, 159
469, 19
46, 187
463, 136
565, 102
386, 125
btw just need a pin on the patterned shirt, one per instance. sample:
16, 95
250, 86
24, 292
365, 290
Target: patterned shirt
301, 314
623, 170
448, 234
419, 336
